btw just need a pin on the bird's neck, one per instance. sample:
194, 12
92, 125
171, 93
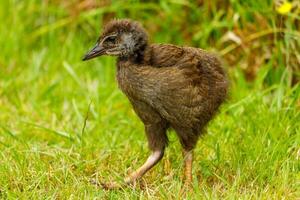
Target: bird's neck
137, 56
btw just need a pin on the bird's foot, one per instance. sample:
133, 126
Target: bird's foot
130, 181
186, 189
112, 185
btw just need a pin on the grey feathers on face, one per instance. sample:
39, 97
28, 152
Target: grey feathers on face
132, 38
128, 43
132, 43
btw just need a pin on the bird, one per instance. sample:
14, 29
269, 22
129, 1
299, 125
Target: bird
169, 87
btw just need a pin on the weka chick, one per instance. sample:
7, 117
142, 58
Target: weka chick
168, 87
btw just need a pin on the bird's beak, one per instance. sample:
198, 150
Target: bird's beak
98, 50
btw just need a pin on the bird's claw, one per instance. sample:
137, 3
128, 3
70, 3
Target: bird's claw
106, 185
111, 185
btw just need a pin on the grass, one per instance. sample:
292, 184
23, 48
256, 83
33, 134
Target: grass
63, 122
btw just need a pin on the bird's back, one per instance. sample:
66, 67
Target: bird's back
202, 69
185, 85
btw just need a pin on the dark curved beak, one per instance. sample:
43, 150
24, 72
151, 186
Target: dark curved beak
94, 52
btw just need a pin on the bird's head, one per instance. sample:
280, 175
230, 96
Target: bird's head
122, 38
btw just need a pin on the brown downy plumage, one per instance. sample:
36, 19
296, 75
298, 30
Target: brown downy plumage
168, 86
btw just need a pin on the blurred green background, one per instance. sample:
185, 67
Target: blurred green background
64, 121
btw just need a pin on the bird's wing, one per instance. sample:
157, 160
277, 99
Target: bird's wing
171, 92
185, 85
164, 55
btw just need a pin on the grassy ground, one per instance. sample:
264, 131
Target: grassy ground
63, 122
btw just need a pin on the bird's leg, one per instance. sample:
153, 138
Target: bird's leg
152, 160
157, 140
188, 161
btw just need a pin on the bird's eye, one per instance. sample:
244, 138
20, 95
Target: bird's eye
111, 39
